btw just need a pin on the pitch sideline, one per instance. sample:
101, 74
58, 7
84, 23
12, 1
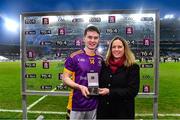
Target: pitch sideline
61, 113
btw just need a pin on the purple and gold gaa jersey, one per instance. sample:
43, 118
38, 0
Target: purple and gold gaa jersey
78, 64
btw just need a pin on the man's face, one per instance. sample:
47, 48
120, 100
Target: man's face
91, 40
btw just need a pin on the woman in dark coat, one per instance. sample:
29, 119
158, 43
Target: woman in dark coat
119, 82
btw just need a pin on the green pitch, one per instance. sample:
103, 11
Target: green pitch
10, 92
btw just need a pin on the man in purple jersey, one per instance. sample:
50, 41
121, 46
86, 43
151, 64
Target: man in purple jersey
77, 66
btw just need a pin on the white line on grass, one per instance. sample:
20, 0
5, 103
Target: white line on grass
44, 112
161, 115
37, 101
60, 113
5, 110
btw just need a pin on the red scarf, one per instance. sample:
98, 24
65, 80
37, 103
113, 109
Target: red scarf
115, 64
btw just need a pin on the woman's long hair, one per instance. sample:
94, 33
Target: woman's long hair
129, 56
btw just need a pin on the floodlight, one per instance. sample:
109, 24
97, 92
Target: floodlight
169, 16
100, 49
11, 25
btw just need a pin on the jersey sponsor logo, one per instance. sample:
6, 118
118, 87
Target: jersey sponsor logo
83, 78
81, 60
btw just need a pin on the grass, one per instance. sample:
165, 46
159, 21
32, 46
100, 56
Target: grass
10, 91
169, 97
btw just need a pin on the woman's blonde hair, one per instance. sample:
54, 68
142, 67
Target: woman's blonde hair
129, 56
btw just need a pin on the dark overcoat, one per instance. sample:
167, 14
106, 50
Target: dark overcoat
123, 86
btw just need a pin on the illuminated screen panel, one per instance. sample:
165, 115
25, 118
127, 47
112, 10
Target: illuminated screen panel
49, 38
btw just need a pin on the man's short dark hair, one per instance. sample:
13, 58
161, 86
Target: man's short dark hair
91, 28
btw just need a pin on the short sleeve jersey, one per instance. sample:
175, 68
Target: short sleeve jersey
78, 64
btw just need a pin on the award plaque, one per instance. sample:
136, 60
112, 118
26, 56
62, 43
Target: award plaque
93, 83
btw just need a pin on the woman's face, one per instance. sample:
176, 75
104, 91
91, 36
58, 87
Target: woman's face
117, 49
